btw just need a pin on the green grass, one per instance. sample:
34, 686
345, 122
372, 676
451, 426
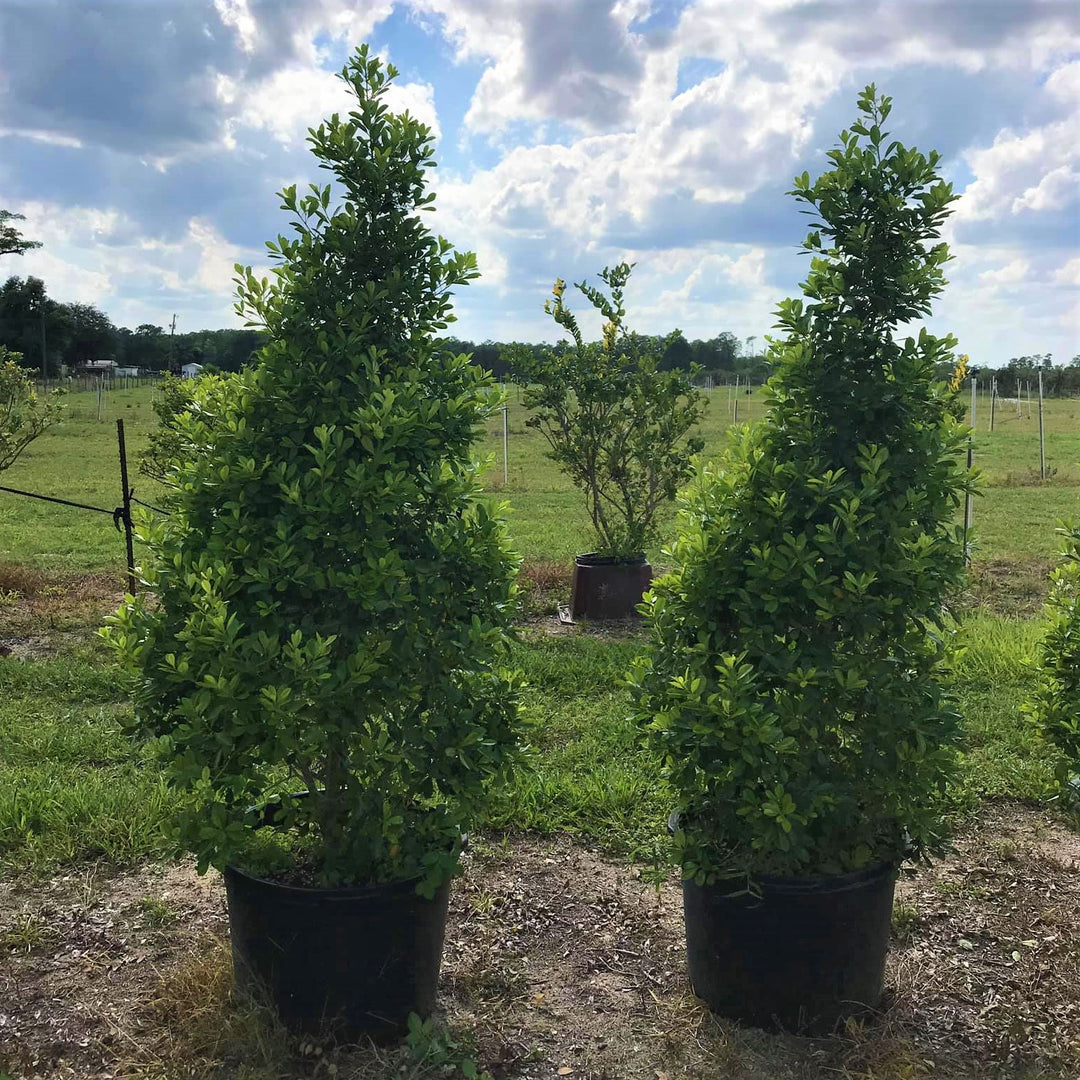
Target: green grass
589, 775
76, 460
73, 788
72, 785
1004, 756
1014, 518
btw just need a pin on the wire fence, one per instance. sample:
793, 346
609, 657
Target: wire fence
80, 384
121, 515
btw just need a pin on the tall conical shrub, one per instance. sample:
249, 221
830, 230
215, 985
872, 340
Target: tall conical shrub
795, 685
330, 597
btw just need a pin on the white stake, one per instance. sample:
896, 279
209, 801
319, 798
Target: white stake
1042, 436
506, 437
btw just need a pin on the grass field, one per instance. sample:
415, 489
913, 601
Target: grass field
88, 871
1014, 517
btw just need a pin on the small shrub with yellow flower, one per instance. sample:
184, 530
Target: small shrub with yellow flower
619, 427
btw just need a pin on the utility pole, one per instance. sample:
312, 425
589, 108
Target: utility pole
44, 354
172, 354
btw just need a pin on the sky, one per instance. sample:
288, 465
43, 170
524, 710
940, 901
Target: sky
145, 141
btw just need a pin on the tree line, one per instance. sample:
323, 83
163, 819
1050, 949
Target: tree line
1022, 372
722, 355
53, 336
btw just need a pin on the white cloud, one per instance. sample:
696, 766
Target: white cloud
285, 104
51, 138
237, 16
706, 291
1069, 274
1035, 170
573, 61
99, 257
291, 100
1013, 272
1052, 192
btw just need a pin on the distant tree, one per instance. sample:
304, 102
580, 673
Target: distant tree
727, 347
488, 355
11, 241
754, 367
145, 347
677, 354
717, 355
23, 415
29, 319
93, 336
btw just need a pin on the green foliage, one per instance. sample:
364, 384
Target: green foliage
170, 445
11, 240
616, 424
166, 452
431, 1044
1055, 704
23, 415
795, 681
332, 595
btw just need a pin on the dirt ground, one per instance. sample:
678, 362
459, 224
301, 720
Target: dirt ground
559, 963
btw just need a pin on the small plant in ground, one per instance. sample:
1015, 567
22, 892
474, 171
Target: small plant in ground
1055, 705
157, 910
177, 440
432, 1044
331, 596
165, 449
23, 414
796, 686
28, 931
619, 427
905, 917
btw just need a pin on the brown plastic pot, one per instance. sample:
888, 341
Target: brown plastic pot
608, 586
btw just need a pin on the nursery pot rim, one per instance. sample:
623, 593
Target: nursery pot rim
796, 884
595, 558
267, 814
405, 886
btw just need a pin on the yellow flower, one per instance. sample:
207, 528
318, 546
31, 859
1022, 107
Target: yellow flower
959, 373
610, 330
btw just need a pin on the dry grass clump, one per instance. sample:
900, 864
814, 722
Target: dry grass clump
20, 581
188, 1025
192, 1025
42, 613
543, 586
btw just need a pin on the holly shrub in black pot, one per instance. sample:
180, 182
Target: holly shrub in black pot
321, 659
796, 684
621, 429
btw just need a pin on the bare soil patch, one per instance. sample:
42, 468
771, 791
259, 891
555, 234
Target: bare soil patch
41, 614
1007, 587
559, 963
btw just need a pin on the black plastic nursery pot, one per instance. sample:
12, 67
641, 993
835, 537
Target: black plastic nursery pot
801, 956
354, 961
607, 586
